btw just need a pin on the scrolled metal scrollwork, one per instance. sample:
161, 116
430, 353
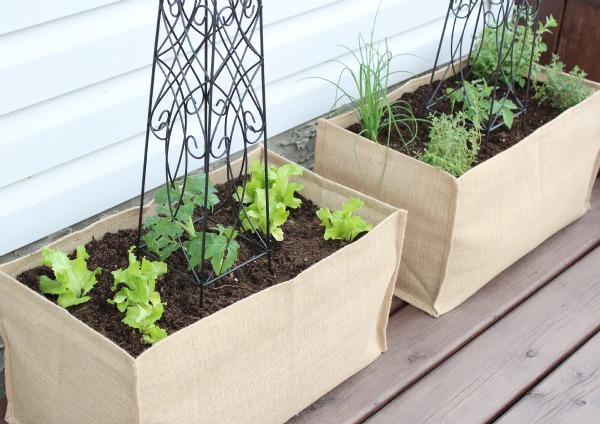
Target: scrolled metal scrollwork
466, 20
204, 104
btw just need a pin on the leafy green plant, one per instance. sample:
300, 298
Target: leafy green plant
281, 197
73, 279
137, 297
476, 100
220, 247
560, 90
453, 144
515, 56
342, 224
165, 231
370, 74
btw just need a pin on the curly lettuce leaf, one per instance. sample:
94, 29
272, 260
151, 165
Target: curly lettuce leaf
341, 224
73, 279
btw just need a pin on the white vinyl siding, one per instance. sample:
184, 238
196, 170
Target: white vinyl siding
74, 84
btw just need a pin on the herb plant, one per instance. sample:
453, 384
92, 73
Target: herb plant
342, 224
73, 279
476, 100
137, 297
516, 51
281, 197
165, 232
370, 77
453, 144
562, 91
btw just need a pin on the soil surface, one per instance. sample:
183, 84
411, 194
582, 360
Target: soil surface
500, 139
303, 245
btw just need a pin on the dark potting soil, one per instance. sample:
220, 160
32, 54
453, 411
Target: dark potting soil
303, 245
500, 139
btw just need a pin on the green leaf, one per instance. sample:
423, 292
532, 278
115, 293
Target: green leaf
341, 224
73, 279
281, 196
137, 297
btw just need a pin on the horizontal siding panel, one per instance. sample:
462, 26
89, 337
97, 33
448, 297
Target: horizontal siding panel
63, 196
75, 107
301, 97
319, 36
66, 55
73, 125
19, 14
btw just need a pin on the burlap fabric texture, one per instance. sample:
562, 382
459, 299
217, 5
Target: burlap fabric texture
461, 232
260, 360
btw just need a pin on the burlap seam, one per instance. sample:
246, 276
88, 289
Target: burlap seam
449, 241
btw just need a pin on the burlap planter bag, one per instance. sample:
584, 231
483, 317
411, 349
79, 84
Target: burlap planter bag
462, 232
260, 360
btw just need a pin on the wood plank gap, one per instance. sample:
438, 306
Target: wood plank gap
571, 393
530, 390
485, 376
418, 343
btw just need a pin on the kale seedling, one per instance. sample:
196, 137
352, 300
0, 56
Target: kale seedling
220, 247
562, 91
73, 279
341, 224
281, 196
164, 230
137, 297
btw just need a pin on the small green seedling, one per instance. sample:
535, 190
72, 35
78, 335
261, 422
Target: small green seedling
516, 49
137, 297
73, 279
281, 197
560, 90
477, 104
453, 145
341, 224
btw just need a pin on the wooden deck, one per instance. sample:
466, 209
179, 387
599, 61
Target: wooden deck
524, 349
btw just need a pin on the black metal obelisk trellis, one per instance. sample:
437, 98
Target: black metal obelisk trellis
496, 21
207, 101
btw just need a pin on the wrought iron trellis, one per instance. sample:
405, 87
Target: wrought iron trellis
204, 104
465, 20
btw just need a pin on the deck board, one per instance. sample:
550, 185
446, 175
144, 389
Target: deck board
417, 343
570, 394
478, 383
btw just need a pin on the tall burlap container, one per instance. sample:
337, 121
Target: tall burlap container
461, 232
260, 360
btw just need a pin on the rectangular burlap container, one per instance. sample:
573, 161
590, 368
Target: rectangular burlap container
461, 232
260, 360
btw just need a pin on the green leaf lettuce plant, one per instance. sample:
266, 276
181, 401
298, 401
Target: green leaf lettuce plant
281, 191
343, 224
73, 279
137, 297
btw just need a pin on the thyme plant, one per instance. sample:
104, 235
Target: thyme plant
453, 144
560, 90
